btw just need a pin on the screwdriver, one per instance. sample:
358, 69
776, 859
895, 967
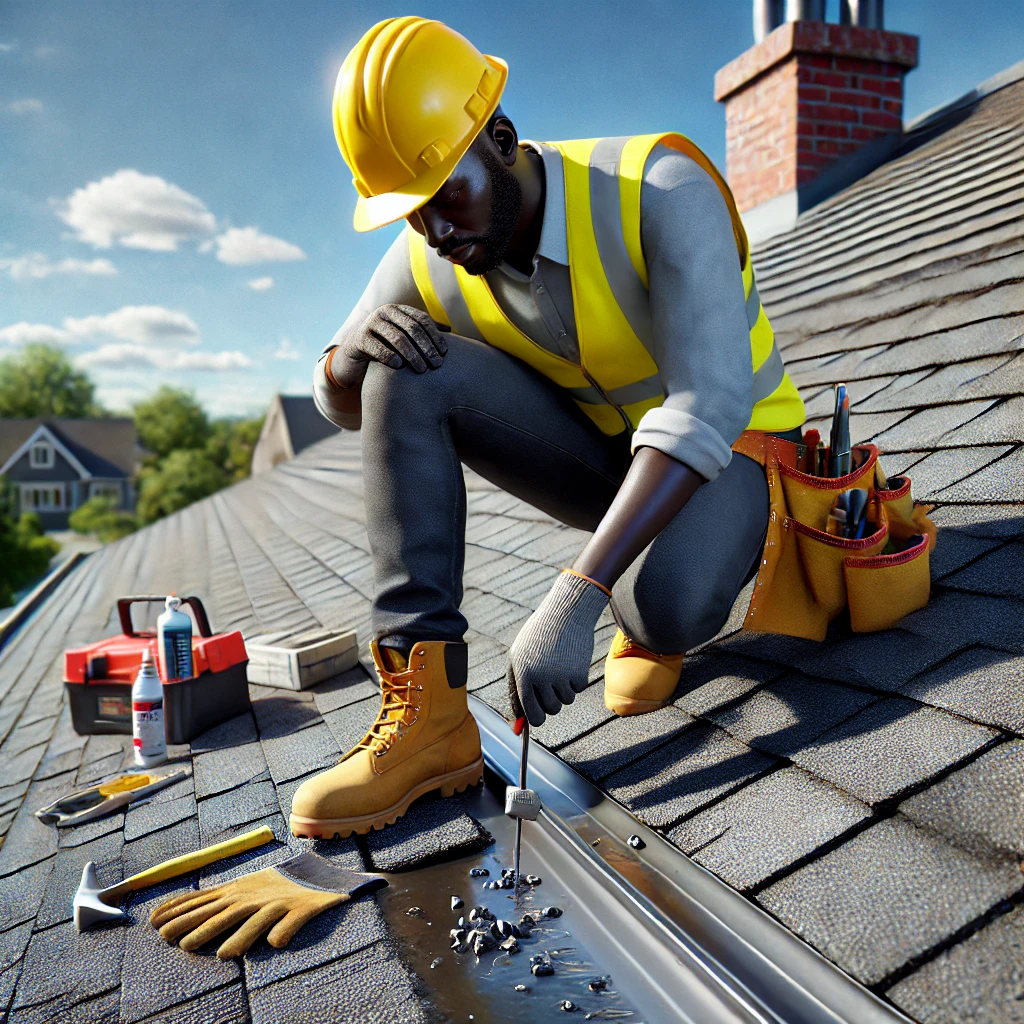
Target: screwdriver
521, 802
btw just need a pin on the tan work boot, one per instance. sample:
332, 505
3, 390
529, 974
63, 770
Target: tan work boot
637, 680
424, 738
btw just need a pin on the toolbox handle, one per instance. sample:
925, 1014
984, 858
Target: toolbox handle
124, 605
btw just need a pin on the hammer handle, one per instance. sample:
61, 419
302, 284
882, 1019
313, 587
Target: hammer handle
192, 861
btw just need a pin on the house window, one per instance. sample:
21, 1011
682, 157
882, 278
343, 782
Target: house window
106, 490
41, 455
41, 499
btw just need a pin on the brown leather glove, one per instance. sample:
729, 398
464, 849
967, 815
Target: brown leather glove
282, 898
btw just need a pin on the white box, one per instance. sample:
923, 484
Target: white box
296, 661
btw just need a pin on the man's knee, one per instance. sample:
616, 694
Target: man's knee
669, 613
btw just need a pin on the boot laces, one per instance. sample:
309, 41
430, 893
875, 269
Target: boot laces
399, 710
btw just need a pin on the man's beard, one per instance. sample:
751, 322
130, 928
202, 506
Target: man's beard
506, 205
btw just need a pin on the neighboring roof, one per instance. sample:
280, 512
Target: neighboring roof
106, 447
306, 424
866, 791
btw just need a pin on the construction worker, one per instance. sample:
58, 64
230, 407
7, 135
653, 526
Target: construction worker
578, 323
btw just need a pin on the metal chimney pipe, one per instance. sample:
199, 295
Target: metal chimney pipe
805, 10
863, 13
768, 16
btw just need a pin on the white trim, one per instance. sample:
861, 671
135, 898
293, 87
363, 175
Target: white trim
47, 450
42, 432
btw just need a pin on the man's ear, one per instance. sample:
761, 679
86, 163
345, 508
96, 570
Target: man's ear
503, 132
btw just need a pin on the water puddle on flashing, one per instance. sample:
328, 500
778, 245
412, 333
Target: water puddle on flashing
483, 990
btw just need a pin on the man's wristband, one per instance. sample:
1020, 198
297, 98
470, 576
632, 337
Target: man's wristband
327, 369
600, 586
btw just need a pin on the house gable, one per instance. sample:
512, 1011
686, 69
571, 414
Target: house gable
66, 465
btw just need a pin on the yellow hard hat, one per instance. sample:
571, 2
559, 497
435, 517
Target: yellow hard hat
410, 98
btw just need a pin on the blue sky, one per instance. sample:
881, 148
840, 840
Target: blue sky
237, 260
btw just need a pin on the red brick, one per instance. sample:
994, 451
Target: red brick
862, 134
854, 99
813, 92
833, 79
894, 106
877, 119
832, 130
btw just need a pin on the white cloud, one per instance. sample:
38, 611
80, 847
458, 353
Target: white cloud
127, 357
261, 284
24, 333
35, 266
286, 350
243, 246
8, 47
27, 106
139, 211
139, 324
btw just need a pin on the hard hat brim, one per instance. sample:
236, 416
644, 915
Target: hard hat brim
374, 212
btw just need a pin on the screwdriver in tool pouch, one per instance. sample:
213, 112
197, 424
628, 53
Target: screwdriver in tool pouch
840, 459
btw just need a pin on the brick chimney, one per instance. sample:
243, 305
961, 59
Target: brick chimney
806, 98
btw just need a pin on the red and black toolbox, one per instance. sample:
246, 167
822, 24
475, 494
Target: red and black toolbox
99, 678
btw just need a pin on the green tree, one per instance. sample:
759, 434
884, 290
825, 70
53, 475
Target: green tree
169, 420
25, 551
100, 516
41, 381
182, 477
231, 443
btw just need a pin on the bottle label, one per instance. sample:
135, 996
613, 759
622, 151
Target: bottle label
178, 654
148, 727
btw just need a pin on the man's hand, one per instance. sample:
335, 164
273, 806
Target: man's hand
393, 335
549, 660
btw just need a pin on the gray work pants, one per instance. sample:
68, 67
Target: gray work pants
511, 425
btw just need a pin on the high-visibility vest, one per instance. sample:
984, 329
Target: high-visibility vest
616, 380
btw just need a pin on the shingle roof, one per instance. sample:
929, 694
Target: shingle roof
106, 447
866, 791
305, 424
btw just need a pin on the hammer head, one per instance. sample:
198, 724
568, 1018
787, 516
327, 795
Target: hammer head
90, 910
521, 803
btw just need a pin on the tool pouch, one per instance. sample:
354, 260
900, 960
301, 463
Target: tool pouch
807, 577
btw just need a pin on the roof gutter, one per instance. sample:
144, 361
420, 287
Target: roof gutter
747, 951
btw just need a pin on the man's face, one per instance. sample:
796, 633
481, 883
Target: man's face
473, 215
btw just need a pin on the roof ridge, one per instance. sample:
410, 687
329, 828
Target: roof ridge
1008, 76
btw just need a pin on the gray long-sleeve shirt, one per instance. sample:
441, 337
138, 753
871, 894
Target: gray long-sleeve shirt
700, 332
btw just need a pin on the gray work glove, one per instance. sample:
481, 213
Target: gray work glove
549, 661
394, 335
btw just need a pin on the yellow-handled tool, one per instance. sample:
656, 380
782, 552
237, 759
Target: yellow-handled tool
93, 904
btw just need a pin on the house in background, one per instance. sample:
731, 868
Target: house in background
56, 465
292, 424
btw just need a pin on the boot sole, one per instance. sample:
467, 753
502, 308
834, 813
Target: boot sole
341, 828
626, 706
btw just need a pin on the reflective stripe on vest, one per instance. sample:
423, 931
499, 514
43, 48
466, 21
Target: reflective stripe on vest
617, 381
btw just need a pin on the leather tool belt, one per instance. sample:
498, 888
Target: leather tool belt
807, 576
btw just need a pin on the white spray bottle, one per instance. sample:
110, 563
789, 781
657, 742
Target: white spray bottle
174, 641
148, 715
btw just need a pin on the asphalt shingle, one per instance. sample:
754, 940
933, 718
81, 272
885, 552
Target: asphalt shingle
890, 747
981, 684
887, 896
432, 830
979, 980
980, 806
730, 838
785, 715
686, 774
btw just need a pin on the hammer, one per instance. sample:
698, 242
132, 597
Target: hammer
94, 905
521, 802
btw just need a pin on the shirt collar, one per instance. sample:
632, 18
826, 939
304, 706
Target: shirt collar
553, 244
